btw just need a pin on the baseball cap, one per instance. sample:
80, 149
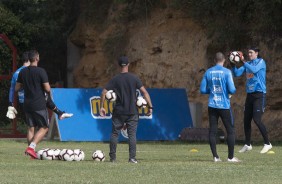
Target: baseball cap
123, 61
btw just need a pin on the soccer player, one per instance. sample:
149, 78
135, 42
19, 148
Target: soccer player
218, 83
255, 70
34, 81
12, 111
125, 110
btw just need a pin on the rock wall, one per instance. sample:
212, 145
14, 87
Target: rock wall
168, 50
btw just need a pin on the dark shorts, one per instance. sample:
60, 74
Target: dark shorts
37, 118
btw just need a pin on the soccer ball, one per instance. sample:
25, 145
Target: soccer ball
78, 155
235, 56
124, 131
98, 155
141, 102
39, 153
67, 155
56, 155
111, 96
48, 154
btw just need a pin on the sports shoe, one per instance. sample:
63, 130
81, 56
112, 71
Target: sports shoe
234, 160
132, 160
216, 159
31, 152
266, 148
246, 148
65, 115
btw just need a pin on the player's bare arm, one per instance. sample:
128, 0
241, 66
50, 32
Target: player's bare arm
47, 87
18, 87
147, 98
102, 100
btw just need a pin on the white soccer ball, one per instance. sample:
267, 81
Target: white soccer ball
39, 153
123, 131
56, 155
78, 155
67, 155
141, 102
111, 96
98, 155
48, 154
235, 56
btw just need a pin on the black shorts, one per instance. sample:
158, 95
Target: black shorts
37, 118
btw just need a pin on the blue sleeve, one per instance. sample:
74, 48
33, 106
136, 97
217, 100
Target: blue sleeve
230, 83
256, 68
12, 88
238, 71
204, 88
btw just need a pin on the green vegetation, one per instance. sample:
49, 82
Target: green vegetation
236, 24
159, 162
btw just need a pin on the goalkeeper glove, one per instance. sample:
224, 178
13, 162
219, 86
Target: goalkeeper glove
11, 114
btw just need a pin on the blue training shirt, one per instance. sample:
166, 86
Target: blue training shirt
13, 85
218, 83
255, 74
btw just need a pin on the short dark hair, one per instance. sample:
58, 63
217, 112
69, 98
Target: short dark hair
25, 57
32, 55
254, 49
219, 56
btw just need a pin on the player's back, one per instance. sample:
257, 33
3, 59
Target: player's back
219, 83
125, 85
32, 78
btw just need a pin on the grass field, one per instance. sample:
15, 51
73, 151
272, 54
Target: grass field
159, 162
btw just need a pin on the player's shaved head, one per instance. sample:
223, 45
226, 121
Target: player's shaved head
219, 57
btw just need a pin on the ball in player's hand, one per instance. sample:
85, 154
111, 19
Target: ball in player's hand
111, 96
235, 57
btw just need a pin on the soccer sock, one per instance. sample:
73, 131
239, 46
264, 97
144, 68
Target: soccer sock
32, 145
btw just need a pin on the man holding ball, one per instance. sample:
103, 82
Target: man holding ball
255, 70
125, 110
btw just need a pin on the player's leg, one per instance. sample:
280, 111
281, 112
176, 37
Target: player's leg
227, 119
258, 110
248, 115
51, 105
40, 120
30, 125
213, 122
30, 128
132, 123
30, 134
117, 124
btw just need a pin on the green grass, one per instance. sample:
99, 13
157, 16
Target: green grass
159, 162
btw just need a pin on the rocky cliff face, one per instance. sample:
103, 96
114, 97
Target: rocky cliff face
169, 50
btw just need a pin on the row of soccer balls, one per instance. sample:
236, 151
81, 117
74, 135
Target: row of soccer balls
111, 96
68, 155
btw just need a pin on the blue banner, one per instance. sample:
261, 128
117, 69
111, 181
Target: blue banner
170, 115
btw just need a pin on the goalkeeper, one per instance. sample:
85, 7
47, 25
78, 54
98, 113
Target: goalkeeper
11, 114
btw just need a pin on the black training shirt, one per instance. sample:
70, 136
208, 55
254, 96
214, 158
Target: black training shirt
32, 78
125, 86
